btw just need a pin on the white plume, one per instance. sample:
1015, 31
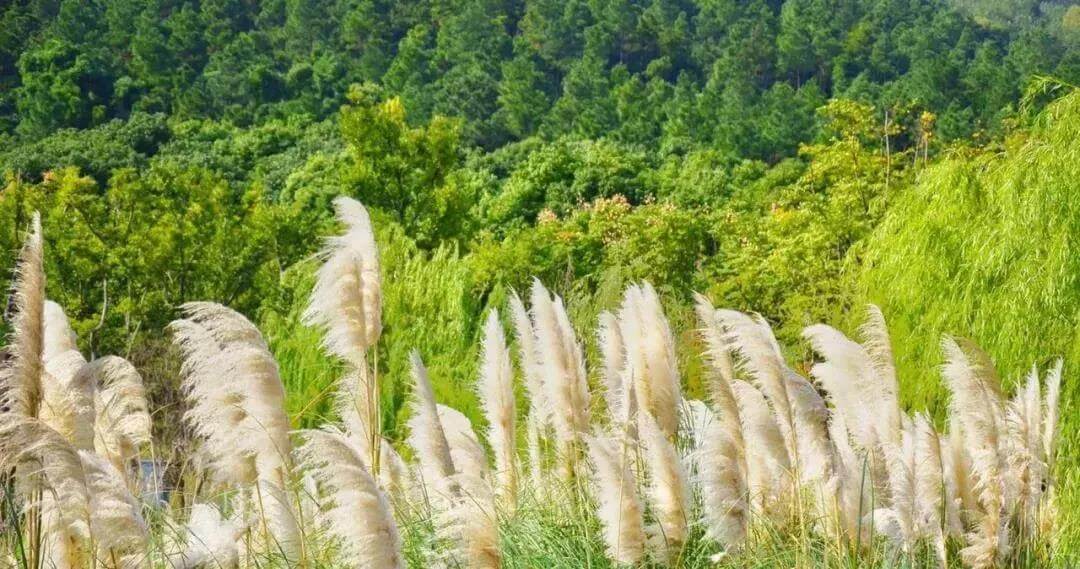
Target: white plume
563, 364
618, 507
21, 374
465, 449
530, 361
650, 355
212, 540
122, 423
68, 399
358, 514
723, 480
929, 486
237, 398
58, 335
471, 524
347, 297
426, 434
496, 390
120, 533
668, 493
49, 479
760, 358
613, 353
977, 405
768, 465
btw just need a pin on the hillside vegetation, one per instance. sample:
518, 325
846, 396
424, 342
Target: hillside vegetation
796, 159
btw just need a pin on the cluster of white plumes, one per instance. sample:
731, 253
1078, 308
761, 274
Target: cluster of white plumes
70, 430
833, 450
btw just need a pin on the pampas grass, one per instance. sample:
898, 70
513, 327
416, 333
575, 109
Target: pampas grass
561, 359
346, 301
49, 479
427, 437
649, 354
777, 468
212, 540
977, 404
618, 506
357, 514
496, 390
237, 409
669, 497
66, 387
21, 374
529, 362
67, 403
471, 524
121, 536
122, 414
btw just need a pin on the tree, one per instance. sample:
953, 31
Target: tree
399, 168
62, 86
523, 99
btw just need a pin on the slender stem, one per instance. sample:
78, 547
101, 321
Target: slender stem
374, 396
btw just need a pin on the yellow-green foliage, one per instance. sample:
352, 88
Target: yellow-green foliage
986, 246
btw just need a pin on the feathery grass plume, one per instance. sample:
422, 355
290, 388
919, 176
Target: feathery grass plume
768, 464
695, 419
122, 414
58, 335
854, 497
245, 354
668, 494
816, 452
959, 486
465, 449
21, 374
233, 382
878, 346
470, 523
650, 355
530, 362
857, 391
1023, 422
394, 476
121, 536
211, 540
896, 520
563, 364
538, 418
929, 486
618, 508
1048, 511
426, 434
496, 390
613, 353
49, 479
358, 514
721, 365
347, 297
722, 477
216, 413
977, 404
67, 403
759, 356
